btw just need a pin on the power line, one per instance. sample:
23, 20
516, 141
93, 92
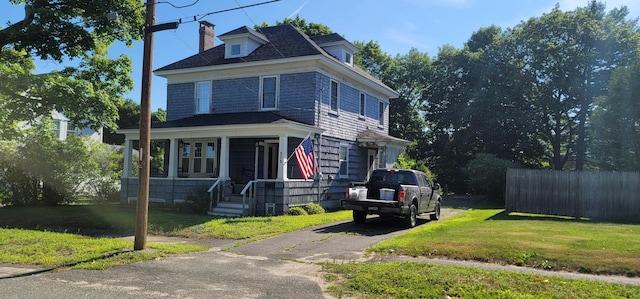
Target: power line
196, 18
176, 6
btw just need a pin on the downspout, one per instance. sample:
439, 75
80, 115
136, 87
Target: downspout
319, 159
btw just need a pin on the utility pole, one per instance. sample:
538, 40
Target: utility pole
142, 208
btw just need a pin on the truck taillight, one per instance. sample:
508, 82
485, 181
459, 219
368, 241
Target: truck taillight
401, 195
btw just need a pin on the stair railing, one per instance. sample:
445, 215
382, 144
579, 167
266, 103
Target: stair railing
249, 191
214, 186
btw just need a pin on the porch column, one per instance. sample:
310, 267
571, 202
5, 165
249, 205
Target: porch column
173, 158
126, 169
224, 158
282, 157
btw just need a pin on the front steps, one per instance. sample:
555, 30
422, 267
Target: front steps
230, 207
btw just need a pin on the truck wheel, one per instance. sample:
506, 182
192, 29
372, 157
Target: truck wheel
436, 213
359, 216
410, 219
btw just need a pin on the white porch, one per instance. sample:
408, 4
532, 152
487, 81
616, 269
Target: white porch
234, 156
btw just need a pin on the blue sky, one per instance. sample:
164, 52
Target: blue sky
396, 25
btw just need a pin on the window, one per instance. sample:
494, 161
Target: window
203, 94
381, 113
71, 129
348, 59
235, 50
211, 155
334, 96
197, 157
186, 153
363, 103
269, 92
343, 157
57, 125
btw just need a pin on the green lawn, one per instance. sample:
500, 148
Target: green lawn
552, 243
421, 280
71, 235
59, 250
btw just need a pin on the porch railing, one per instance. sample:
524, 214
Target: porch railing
249, 192
214, 186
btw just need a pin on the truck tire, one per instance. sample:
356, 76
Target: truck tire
436, 213
411, 218
359, 216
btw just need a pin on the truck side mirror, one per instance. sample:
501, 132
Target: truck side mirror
436, 186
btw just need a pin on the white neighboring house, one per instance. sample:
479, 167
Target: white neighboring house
65, 128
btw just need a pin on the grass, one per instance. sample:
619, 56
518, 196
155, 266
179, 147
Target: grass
253, 228
552, 243
69, 236
419, 280
114, 219
59, 250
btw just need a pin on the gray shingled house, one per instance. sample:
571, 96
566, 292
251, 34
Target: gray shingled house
237, 111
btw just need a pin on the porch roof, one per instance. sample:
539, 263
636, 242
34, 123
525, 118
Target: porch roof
372, 138
262, 123
219, 119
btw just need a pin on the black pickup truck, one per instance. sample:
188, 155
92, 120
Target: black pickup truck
400, 193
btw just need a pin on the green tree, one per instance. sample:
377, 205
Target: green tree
570, 56
56, 178
66, 30
310, 29
129, 117
616, 134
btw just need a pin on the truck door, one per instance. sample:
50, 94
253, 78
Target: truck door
427, 192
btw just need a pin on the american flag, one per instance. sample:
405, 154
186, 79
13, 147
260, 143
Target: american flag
306, 158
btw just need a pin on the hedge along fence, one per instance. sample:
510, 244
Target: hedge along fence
612, 196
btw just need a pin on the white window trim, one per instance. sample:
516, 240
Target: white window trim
346, 146
348, 58
197, 98
277, 100
362, 106
337, 96
381, 107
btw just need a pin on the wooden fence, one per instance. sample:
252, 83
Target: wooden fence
613, 196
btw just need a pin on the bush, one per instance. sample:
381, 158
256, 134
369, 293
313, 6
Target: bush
199, 200
314, 208
296, 211
487, 175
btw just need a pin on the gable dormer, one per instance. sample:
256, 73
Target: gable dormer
337, 46
241, 42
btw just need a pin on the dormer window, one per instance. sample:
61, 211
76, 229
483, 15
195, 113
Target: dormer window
235, 50
348, 58
337, 46
242, 42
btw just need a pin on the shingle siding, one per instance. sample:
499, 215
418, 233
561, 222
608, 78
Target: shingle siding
298, 96
236, 95
347, 123
180, 100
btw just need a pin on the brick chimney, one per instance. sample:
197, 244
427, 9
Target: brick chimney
206, 35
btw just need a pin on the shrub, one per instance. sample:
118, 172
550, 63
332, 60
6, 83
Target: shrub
314, 208
487, 175
199, 200
295, 211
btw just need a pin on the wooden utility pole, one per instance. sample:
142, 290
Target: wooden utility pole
142, 208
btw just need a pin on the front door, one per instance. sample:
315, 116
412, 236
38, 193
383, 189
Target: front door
270, 169
372, 161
